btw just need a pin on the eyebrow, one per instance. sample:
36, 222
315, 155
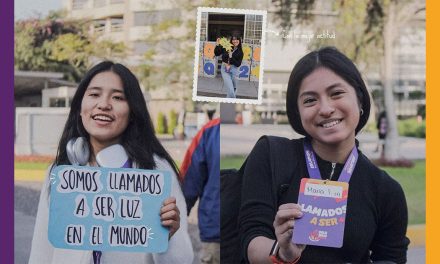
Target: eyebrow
114, 90
335, 85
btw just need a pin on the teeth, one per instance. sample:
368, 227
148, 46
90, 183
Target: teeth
102, 118
330, 124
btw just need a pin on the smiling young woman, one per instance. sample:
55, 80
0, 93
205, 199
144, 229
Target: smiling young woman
109, 108
328, 103
231, 62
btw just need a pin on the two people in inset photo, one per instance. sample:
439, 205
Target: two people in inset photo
328, 103
231, 61
109, 108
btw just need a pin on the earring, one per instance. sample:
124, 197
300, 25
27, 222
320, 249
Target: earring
362, 111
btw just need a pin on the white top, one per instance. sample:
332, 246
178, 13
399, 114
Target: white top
179, 250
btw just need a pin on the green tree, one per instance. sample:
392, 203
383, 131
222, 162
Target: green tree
56, 44
172, 121
161, 127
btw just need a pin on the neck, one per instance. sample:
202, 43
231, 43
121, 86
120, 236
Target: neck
333, 152
96, 146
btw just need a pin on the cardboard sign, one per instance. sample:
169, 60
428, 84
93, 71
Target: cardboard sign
210, 67
244, 71
247, 52
208, 50
324, 207
94, 208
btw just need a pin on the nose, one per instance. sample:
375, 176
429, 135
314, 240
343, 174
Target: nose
326, 108
104, 104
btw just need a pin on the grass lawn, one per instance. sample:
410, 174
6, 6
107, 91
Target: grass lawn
30, 171
412, 181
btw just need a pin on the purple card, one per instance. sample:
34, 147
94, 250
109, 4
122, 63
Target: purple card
324, 205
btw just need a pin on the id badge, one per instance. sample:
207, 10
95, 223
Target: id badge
324, 207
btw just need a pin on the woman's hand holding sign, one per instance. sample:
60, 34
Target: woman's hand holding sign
170, 215
284, 226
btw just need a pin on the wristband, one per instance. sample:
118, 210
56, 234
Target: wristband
275, 258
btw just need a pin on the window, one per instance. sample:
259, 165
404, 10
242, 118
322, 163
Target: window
57, 102
253, 29
117, 24
78, 4
204, 26
99, 26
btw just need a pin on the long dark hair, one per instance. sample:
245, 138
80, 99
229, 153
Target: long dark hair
341, 65
138, 139
239, 41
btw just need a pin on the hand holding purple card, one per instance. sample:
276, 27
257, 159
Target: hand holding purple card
324, 205
283, 224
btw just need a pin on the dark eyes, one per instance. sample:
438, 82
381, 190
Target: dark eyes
118, 98
309, 100
337, 93
115, 97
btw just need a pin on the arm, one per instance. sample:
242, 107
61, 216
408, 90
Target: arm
260, 220
180, 248
237, 58
390, 242
194, 171
42, 250
218, 50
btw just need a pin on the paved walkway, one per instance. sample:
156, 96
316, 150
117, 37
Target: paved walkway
213, 87
239, 140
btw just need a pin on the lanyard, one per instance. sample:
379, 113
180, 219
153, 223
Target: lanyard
312, 165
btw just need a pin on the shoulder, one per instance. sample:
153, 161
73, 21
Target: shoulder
266, 144
384, 183
161, 163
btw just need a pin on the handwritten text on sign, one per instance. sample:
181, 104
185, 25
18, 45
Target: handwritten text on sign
105, 209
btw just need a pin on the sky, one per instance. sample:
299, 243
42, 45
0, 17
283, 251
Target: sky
34, 8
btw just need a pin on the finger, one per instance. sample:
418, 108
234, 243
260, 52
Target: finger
170, 215
285, 227
290, 206
286, 214
169, 207
169, 200
171, 224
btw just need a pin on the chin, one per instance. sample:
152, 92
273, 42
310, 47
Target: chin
333, 139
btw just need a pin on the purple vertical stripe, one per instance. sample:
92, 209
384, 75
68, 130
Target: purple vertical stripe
7, 130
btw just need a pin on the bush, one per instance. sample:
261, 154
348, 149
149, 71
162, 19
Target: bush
172, 122
412, 128
381, 162
161, 127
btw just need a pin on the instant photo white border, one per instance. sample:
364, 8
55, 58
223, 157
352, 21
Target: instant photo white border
195, 97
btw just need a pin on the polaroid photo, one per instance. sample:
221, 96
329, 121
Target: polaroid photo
229, 55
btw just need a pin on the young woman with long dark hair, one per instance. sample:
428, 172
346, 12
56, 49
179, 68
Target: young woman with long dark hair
231, 61
109, 108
